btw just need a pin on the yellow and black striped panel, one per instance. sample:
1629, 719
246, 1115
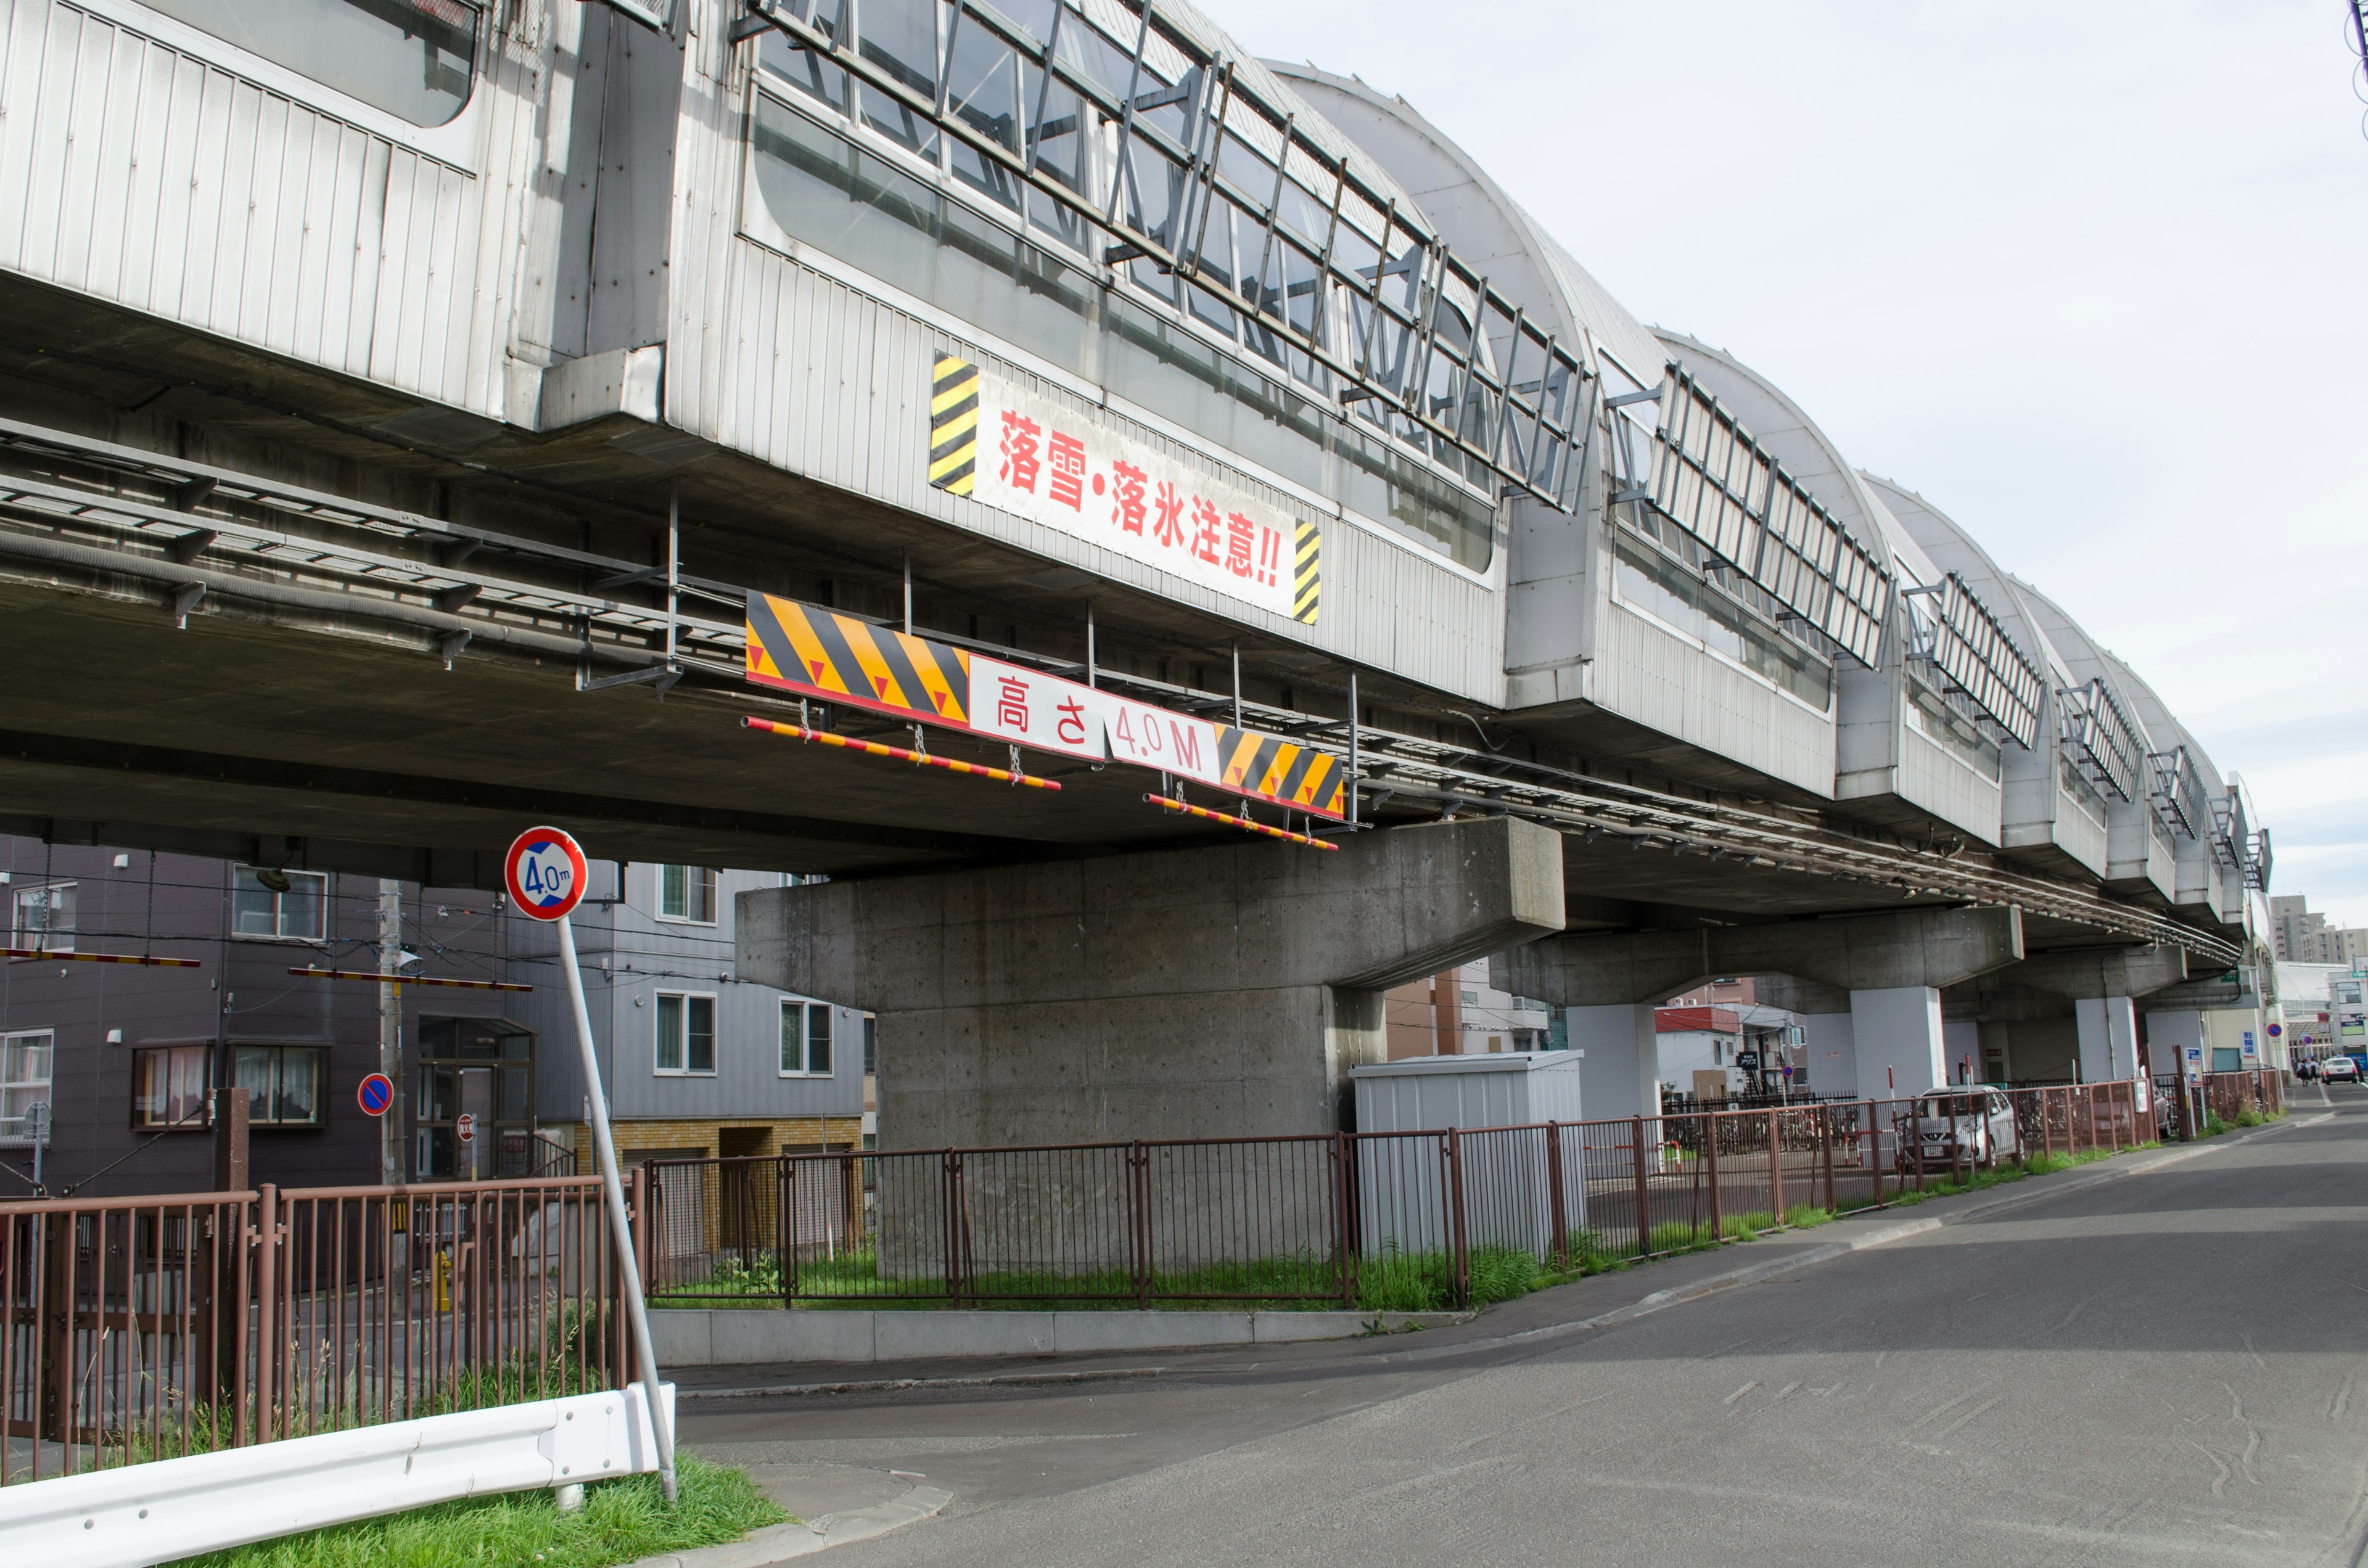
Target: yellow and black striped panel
1307, 576
1282, 771
806, 649
954, 426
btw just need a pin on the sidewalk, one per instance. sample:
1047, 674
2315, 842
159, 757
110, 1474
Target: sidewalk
1597, 1301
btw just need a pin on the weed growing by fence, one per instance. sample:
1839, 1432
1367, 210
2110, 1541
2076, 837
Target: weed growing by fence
620, 1521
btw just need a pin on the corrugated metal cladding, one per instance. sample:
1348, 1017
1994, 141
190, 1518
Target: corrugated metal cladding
143, 175
1644, 673
774, 359
802, 371
1928, 776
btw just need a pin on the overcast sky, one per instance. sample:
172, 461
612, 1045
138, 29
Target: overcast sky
2090, 275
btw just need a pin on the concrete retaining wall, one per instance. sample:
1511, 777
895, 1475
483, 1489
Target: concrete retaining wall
736, 1336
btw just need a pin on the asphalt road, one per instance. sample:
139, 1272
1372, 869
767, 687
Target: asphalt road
2167, 1369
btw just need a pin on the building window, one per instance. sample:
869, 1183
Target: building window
284, 1081
805, 1040
687, 893
168, 1085
24, 1084
870, 1045
686, 1034
44, 919
280, 906
412, 58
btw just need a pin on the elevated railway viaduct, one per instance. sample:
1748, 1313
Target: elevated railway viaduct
474, 422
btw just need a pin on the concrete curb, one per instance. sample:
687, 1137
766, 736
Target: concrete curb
779, 1543
759, 1335
893, 1385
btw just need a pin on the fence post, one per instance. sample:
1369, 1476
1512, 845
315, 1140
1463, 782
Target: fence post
1915, 1138
1825, 1157
1343, 1217
1139, 1218
1644, 1196
1459, 1260
785, 1237
1710, 1168
1561, 1220
269, 1351
1776, 1169
1874, 1152
53, 1340
951, 1174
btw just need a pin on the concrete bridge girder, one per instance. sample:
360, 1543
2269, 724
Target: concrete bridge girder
1203, 992
1930, 947
1869, 986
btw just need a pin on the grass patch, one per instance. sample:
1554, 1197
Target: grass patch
620, 1520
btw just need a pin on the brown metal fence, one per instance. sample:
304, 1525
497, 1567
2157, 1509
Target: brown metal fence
1359, 1220
142, 1328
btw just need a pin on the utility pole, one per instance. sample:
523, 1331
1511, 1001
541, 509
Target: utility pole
389, 1028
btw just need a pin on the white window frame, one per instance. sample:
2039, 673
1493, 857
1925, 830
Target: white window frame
21, 935
714, 892
12, 1104
279, 932
204, 1056
657, 1038
806, 1013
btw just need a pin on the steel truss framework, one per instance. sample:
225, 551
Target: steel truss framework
185, 525
2099, 738
1216, 202
2178, 795
1721, 486
1969, 648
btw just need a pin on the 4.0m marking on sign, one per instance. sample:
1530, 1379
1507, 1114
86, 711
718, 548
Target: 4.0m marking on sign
546, 871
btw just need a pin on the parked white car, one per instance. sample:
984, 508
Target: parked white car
2340, 1070
1977, 1117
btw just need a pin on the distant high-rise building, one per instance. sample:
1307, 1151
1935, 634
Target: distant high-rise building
2303, 937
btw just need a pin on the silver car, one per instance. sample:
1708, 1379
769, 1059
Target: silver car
1977, 1118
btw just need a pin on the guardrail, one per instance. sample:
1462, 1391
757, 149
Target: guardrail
128, 1516
1398, 1220
134, 1329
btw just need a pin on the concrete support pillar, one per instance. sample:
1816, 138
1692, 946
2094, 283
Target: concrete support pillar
2172, 1035
1622, 1073
1223, 991
1832, 1047
1900, 1043
1961, 1050
2108, 1038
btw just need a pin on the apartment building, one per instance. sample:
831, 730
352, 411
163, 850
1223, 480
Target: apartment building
106, 1067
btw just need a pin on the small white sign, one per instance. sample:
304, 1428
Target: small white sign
1153, 737
1031, 709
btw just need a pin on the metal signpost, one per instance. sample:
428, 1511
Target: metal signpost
545, 872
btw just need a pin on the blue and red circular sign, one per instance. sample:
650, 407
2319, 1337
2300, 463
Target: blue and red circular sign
2276, 1029
545, 874
376, 1093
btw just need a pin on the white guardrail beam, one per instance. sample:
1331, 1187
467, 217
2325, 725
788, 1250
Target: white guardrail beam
134, 1516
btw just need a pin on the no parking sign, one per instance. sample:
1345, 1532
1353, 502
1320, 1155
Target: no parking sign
545, 872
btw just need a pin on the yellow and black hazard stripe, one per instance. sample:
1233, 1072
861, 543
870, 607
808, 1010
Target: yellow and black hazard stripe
1282, 771
1307, 577
954, 426
806, 649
